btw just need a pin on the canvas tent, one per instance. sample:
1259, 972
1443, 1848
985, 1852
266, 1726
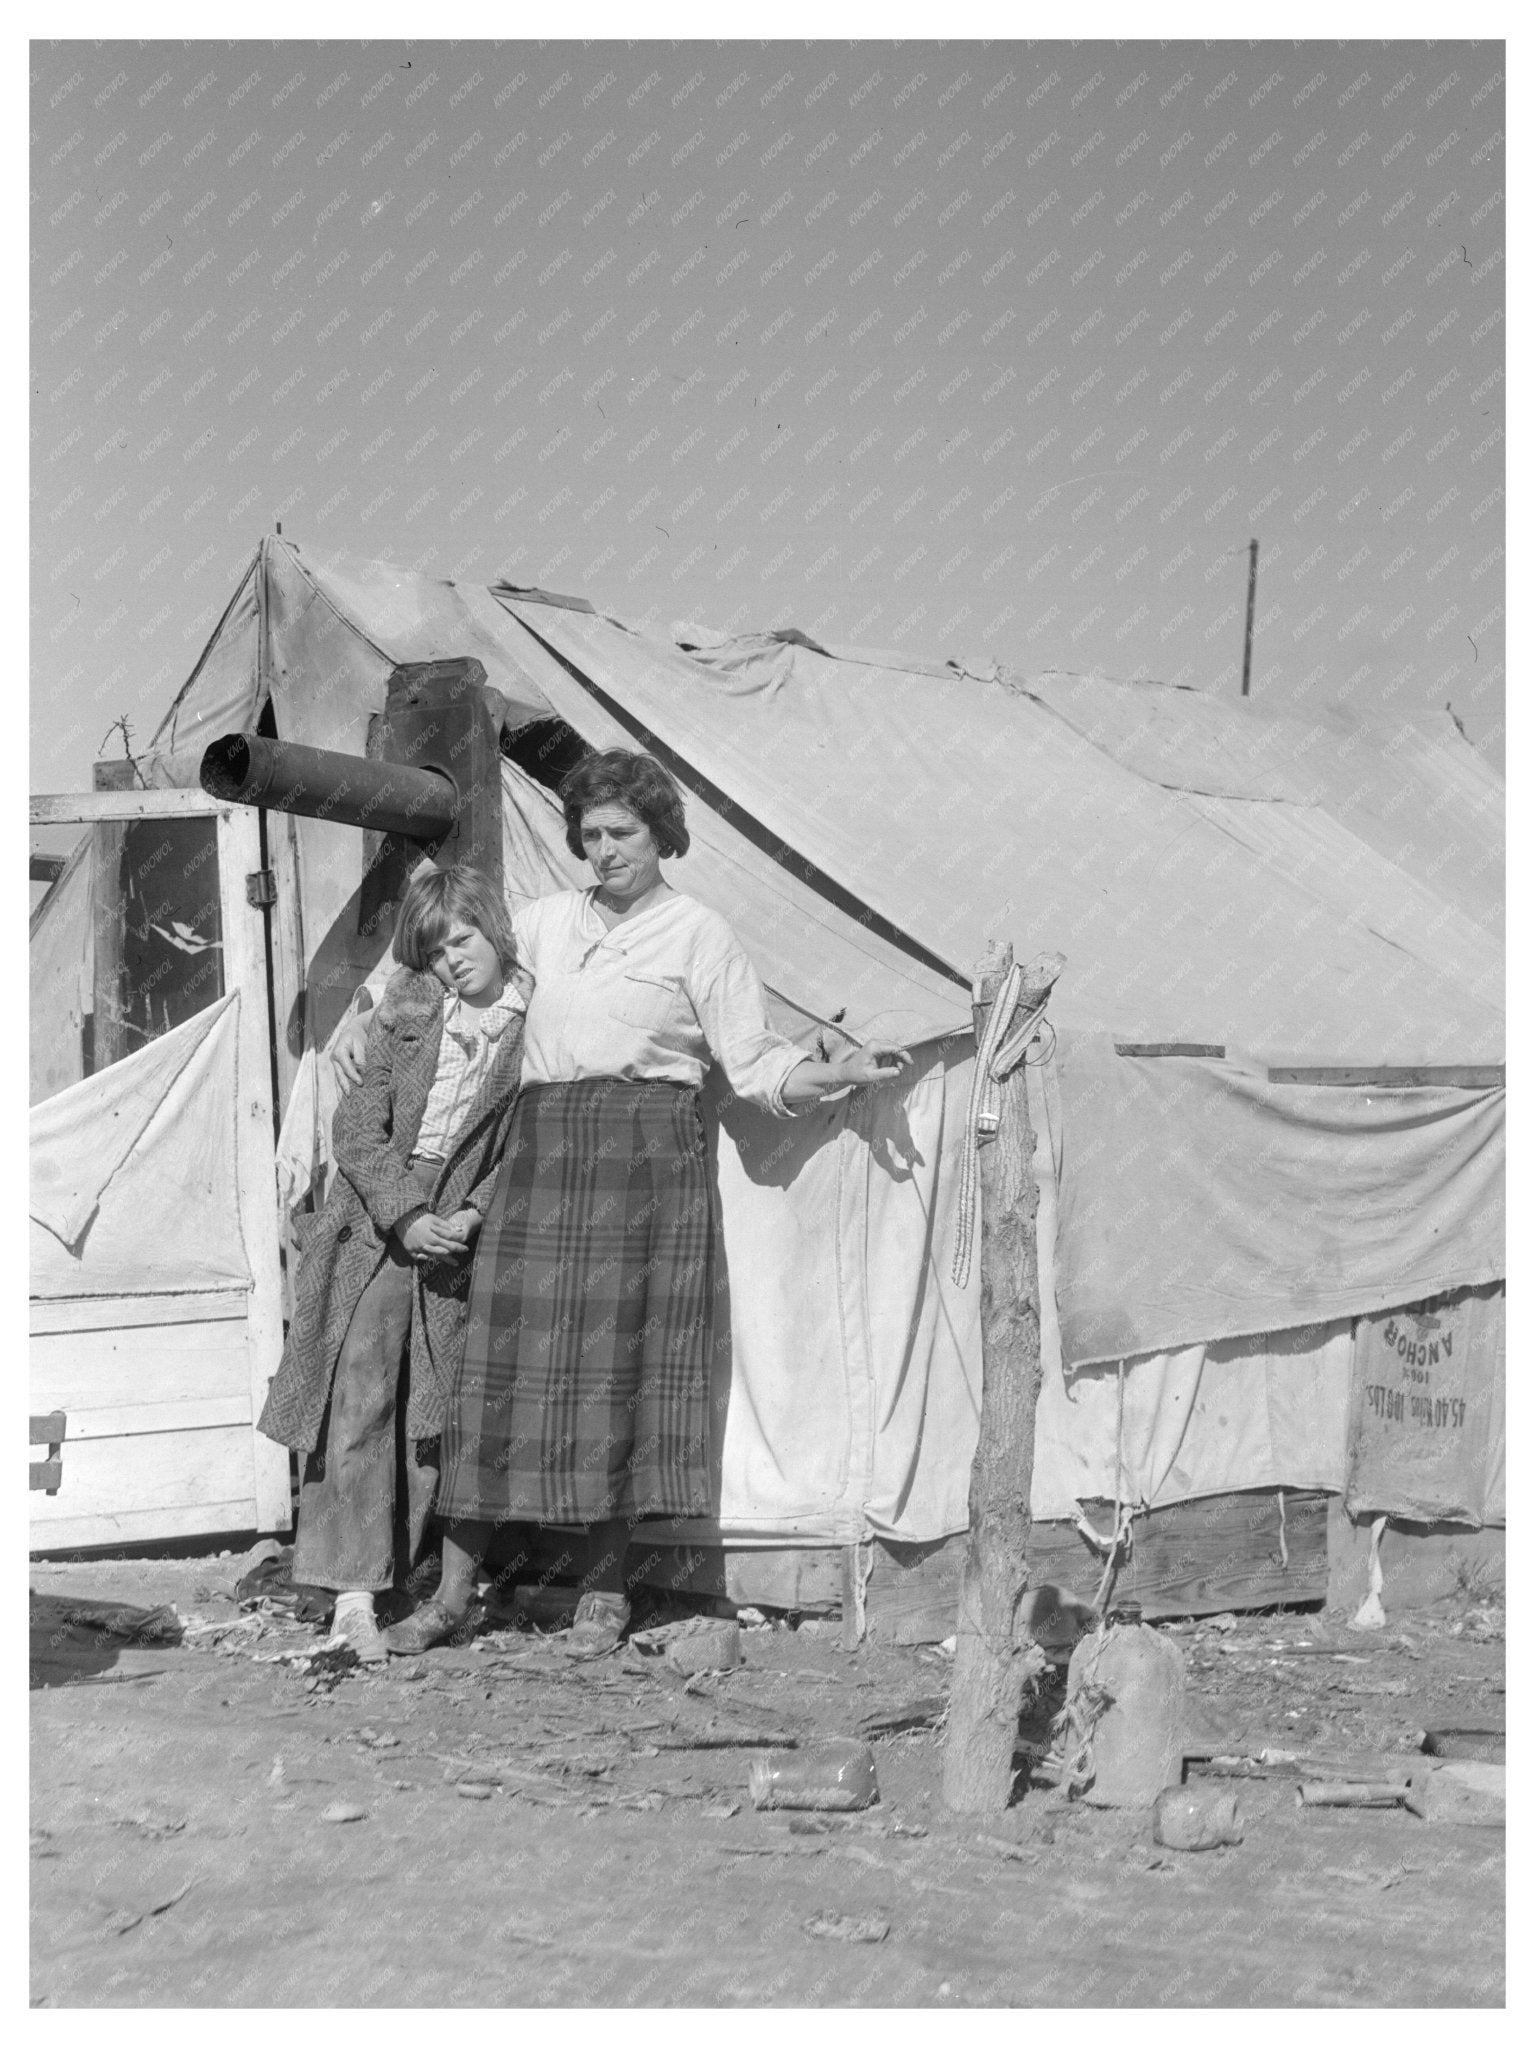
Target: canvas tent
1298, 894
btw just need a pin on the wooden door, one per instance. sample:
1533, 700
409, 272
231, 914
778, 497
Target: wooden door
161, 1388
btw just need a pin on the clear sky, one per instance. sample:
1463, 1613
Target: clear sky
992, 351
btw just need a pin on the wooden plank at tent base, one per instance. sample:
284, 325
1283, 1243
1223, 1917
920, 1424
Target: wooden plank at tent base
1194, 1557
67, 1536
1421, 1562
143, 1488
1237, 1550
802, 1579
113, 1475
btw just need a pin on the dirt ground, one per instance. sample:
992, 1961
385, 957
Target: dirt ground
529, 1833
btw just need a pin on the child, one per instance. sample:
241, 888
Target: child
383, 1284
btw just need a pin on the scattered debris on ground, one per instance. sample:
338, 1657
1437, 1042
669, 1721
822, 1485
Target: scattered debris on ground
596, 1830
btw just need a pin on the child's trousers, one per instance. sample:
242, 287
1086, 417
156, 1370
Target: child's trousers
364, 1499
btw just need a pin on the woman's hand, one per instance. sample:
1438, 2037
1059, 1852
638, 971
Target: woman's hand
425, 1237
869, 1065
349, 1053
862, 1066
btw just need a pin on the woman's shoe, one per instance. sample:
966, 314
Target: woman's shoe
601, 1619
429, 1625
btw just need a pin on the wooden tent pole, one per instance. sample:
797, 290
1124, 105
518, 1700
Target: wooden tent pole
990, 1664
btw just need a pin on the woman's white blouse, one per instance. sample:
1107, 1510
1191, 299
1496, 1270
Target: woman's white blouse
660, 997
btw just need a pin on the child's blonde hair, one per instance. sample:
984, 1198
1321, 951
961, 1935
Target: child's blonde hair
439, 898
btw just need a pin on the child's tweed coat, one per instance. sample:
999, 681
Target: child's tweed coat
374, 1131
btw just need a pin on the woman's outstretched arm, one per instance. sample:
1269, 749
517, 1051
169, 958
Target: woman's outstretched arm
865, 1066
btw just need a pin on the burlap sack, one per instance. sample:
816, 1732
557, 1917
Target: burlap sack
1125, 1692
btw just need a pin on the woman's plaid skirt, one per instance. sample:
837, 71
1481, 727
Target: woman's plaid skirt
584, 1389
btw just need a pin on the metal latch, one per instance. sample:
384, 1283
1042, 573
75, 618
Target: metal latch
261, 889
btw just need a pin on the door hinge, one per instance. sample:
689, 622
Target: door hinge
261, 889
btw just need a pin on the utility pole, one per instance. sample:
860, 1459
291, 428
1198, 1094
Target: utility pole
1252, 605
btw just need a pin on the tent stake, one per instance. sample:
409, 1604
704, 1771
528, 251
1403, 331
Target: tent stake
990, 1662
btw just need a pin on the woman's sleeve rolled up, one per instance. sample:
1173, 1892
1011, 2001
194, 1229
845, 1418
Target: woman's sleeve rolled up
732, 1010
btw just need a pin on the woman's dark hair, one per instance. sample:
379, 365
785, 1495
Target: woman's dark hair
439, 898
635, 780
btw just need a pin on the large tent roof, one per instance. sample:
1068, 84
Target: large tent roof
1303, 889
962, 808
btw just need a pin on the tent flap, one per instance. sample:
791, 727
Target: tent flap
1200, 1201
80, 1139
144, 1153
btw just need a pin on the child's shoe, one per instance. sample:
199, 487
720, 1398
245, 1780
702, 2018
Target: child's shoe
357, 1624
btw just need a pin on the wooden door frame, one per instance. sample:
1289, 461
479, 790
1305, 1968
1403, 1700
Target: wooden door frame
244, 940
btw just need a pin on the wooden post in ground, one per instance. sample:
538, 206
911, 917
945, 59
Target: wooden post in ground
109, 843
989, 1664
243, 933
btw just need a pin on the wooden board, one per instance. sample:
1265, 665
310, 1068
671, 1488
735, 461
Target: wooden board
1226, 1553
118, 806
804, 1579
159, 1431
175, 1481
1171, 1049
246, 971
1420, 1562
1197, 1557
109, 1036
127, 1311
139, 1364
1391, 1077
160, 1418
289, 989
67, 1536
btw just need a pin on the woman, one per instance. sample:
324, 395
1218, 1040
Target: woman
383, 1285
583, 1397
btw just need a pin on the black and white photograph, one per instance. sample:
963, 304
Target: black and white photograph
766, 1233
